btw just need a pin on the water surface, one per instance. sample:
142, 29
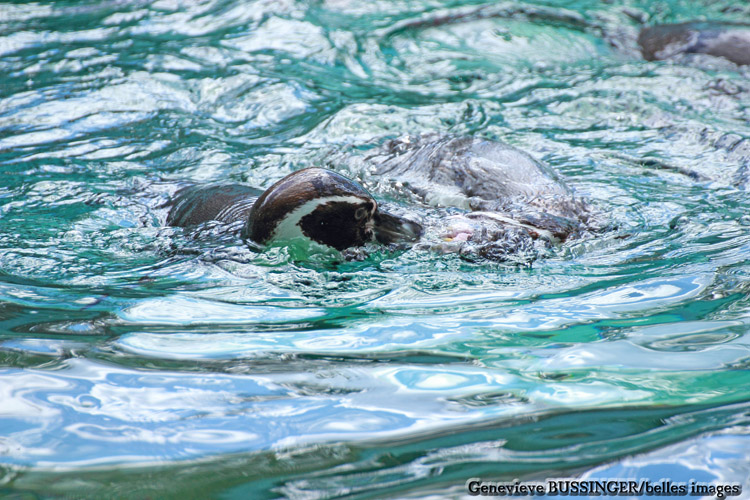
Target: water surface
139, 360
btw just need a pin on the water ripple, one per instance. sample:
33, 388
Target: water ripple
403, 373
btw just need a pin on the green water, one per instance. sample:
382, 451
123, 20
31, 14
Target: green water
139, 361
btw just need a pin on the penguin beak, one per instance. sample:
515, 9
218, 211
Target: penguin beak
393, 229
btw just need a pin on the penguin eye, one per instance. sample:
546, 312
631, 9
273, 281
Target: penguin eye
360, 213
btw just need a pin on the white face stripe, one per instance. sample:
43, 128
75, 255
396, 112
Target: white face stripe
289, 227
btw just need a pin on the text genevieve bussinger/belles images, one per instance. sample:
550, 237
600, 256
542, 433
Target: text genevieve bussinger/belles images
600, 487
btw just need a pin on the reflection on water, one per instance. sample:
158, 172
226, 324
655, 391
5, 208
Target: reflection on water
140, 360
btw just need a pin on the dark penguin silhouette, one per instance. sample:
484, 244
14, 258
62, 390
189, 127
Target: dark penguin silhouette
721, 39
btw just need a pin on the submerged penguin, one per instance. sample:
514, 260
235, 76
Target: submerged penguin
508, 201
511, 206
720, 39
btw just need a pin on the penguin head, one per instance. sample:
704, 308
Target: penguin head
324, 207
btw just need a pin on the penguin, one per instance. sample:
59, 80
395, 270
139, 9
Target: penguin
314, 205
720, 39
482, 199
